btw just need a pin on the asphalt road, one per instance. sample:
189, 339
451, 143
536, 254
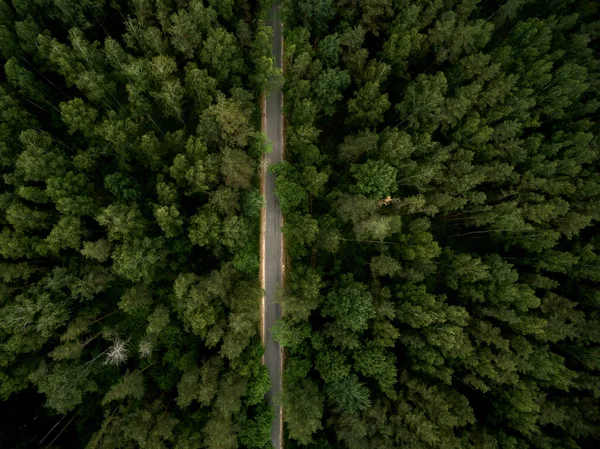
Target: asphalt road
272, 252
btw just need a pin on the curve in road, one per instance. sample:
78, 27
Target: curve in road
272, 253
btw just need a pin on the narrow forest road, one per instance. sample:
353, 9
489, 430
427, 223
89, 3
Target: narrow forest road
271, 244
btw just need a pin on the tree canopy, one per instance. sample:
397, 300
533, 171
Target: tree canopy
443, 278
129, 218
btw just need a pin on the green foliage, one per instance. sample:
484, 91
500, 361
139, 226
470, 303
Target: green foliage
304, 409
349, 394
374, 178
254, 432
350, 305
328, 88
131, 385
440, 191
129, 217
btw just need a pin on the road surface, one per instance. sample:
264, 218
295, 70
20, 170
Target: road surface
272, 263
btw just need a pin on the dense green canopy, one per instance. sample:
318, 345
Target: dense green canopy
442, 203
129, 216
442, 193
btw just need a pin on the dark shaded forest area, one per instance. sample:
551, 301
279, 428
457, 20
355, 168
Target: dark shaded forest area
442, 198
129, 217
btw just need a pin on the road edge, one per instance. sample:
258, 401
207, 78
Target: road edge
263, 226
263, 222
284, 258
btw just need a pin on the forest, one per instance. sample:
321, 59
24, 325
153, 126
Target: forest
129, 216
441, 195
441, 192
